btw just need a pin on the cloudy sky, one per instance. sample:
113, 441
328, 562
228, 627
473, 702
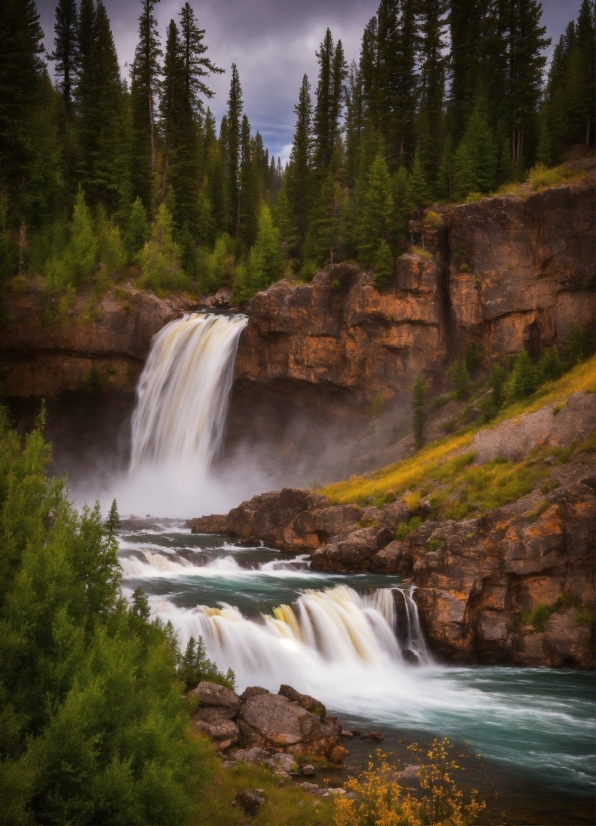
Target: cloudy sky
273, 42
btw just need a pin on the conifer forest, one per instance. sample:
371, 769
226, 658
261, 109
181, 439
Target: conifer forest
102, 173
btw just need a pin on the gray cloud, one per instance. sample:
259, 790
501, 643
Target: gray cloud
273, 42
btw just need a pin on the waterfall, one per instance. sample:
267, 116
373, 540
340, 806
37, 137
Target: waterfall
182, 394
336, 629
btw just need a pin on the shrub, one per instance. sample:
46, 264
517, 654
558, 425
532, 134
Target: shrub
381, 800
405, 528
550, 367
419, 397
576, 345
524, 378
460, 379
159, 259
540, 177
97, 728
384, 264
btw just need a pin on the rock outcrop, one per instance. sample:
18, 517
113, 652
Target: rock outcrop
504, 273
264, 723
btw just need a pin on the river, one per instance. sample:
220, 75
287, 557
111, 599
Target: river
267, 616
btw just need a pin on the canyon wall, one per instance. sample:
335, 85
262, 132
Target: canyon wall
504, 273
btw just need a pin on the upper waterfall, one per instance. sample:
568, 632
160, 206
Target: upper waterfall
182, 395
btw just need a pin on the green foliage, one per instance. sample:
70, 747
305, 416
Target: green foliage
419, 400
460, 378
159, 259
195, 667
384, 264
137, 229
376, 211
81, 256
406, 528
550, 367
433, 544
576, 345
266, 257
524, 377
498, 377
93, 725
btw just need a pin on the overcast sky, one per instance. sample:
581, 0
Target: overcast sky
273, 42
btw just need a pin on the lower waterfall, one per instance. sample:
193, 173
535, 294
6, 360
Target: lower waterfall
336, 628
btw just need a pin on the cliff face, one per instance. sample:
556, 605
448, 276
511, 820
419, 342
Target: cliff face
85, 367
504, 273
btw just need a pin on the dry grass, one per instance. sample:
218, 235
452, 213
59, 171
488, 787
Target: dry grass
444, 470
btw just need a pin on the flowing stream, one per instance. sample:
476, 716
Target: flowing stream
352, 641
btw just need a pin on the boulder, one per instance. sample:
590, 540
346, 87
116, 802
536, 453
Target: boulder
304, 700
249, 803
217, 696
337, 519
354, 552
515, 437
223, 732
274, 721
388, 559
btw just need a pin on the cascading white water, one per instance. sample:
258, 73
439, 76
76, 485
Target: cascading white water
334, 628
183, 391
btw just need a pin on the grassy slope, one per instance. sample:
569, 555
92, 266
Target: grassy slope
443, 469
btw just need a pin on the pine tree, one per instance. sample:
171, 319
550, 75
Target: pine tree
332, 73
524, 379
300, 167
418, 186
137, 228
419, 397
497, 383
466, 24
83, 247
432, 83
402, 203
113, 519
160, 257
460, 379
464, 177
354, 123
249, 187
144, 87
368, 70
266, 259
576, 345
446, 170
65, 52
375, 212
99, 104
233, 120
197, 66
384, 264
481, 146
21, 70
526, 41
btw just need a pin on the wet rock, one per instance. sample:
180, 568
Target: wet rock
376, 736
354, 552
308, 770
216, 696
304, 700
224, 733
249, 803
252, 691
346, 733
410, 772
282, 519
337, 519
272, 720
388, 559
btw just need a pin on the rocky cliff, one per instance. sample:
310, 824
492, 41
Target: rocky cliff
505, 272
84, 363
